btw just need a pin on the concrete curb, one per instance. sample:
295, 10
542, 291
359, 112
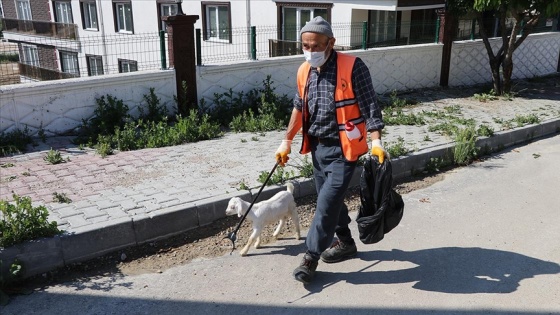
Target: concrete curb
47, 254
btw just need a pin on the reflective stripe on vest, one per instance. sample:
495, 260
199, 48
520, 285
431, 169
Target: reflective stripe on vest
347, 108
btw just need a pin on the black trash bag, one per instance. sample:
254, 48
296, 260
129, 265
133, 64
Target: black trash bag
381, 207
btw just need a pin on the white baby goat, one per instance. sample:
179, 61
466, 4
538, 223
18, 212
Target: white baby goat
279, 207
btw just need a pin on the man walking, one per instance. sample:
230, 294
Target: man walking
335, 107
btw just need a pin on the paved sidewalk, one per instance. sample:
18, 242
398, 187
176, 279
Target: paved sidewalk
132, 197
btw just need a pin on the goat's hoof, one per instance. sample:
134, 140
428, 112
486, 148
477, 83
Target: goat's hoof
243, 253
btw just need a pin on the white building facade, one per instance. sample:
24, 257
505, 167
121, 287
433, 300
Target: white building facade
92, 37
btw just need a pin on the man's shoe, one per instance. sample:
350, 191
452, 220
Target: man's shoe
339, 251
306, 270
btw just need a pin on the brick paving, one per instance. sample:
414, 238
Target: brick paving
145, 182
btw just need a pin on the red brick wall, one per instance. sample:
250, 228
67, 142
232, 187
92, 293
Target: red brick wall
40, 10
9, 9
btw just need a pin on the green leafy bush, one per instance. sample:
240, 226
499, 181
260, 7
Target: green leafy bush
53, 157
155, 112
280, 176
109, 114
395, 116
397, 149
229, 108
14, 141
21, 222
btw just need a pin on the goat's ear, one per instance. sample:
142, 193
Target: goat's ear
239, 208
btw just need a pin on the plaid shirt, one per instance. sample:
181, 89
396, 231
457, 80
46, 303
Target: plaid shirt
320, 99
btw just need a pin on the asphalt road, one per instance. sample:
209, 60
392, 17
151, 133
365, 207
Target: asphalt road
485, 240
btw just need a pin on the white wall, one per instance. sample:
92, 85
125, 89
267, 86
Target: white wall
58, 107
393, 68
537, 56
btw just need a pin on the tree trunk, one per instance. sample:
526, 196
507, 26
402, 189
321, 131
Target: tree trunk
495, 60
496, 79
507, 71
512, 45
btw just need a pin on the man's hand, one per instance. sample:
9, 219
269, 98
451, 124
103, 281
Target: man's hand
377, 150
282, 153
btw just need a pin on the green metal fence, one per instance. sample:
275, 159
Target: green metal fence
264, 42
470, 29
42, 58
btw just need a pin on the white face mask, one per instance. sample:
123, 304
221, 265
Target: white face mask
315, 58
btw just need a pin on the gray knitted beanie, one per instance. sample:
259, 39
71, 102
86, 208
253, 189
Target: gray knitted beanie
318, 25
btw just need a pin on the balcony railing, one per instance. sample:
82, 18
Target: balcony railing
43, 74
41, 28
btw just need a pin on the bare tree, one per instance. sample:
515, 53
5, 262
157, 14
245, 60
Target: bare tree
525, 15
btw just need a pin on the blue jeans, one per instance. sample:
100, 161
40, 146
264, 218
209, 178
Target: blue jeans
332, 174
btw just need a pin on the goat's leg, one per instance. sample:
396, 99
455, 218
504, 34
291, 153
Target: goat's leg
279, 228
295, 219
254, 235
258, 242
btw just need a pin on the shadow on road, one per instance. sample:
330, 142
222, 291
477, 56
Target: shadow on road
448, 270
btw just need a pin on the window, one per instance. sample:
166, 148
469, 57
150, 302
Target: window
166, 9
422, 26
127, 65
94, 65
23, 10
30, 55
382, 26
216, 19
69, 62
89, 15
63, 12
294, 19
123, 17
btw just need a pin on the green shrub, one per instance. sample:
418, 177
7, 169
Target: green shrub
21, 222
254, 111
61, 198
248, 122
280, 176
397, 149
53, 157
485, 131
155, 111
14, 141
465, 150
521, 120
306, 169
485, 97
395, 116
446, 129
103, 146
109, 114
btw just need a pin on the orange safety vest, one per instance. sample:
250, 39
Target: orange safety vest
347, 108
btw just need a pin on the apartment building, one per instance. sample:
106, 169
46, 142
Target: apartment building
72, 38
387, 21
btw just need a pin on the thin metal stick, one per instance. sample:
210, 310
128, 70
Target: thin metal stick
233, 235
